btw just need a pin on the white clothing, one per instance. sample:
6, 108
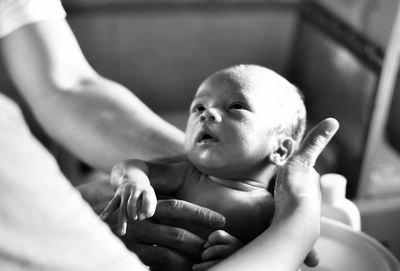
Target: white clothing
44, 222
17, 13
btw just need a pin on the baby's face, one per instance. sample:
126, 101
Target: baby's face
230, 130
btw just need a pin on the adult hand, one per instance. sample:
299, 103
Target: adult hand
159, 246
164, 247
298, 182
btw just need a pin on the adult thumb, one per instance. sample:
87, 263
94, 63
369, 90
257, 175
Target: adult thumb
315, 142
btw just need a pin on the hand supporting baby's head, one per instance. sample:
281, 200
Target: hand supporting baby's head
244, 122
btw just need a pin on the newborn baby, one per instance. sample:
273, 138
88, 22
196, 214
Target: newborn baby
245, 122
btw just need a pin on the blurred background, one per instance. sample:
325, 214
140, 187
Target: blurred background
335, 51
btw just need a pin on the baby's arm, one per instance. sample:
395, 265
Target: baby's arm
134, 194
135, 197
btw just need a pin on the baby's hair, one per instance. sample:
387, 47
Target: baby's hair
296, 131
292, 97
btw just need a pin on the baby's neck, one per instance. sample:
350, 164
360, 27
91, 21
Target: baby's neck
241, 185
256, 178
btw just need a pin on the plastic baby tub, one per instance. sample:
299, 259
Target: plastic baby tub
342, 249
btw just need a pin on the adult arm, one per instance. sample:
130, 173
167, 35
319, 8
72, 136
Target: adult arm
296, 223
97, 119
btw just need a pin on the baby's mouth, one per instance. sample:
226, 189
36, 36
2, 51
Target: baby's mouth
206, 137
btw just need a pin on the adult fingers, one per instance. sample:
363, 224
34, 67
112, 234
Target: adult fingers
183, 211
146, 231
161, 258
316, 141
177, 239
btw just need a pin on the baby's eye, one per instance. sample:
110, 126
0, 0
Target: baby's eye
237, 106
198, 108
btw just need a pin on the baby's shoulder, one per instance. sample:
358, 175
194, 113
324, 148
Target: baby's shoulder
170, 160
171, 166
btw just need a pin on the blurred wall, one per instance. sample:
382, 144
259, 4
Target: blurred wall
162, 52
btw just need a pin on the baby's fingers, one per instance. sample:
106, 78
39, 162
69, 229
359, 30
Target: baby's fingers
204, 266
220, 237
220, 244
141, 204
134, 205
122, 216
218, 251
148, 204
111, 207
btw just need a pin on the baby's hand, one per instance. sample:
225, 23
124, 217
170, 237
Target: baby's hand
134, 196
219, 245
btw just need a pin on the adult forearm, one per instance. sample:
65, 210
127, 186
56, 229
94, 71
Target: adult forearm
103, 123
283, 246
99, 120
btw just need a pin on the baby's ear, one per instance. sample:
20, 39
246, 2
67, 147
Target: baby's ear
283, 152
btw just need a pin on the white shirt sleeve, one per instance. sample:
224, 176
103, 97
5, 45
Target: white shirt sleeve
17, 13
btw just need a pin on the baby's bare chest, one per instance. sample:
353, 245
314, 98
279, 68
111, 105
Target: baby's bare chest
248, 213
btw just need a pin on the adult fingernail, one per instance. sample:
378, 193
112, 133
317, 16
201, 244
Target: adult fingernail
333, 126
217, 220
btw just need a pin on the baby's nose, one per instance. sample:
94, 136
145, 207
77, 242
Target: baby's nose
211, 114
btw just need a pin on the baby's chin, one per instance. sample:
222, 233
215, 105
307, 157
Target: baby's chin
219, 170
208, 165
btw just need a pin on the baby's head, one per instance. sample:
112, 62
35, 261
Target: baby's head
244, 119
